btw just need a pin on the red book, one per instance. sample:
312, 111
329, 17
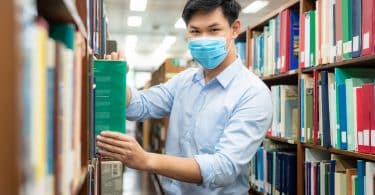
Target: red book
339, 31
360, 118
366, 117
368, 27
284, 40
371, 108
316, 107
302, 41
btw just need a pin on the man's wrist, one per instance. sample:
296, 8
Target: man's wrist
150, 162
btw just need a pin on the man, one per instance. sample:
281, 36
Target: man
218, 114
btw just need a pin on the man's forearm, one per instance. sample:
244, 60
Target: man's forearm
182, 169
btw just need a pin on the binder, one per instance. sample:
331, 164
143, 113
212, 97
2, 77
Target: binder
339, 28
347, 28
368, 27
357, 27
360, 118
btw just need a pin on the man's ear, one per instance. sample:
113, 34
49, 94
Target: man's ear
236, 27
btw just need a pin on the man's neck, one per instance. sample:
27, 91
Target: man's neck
211, 74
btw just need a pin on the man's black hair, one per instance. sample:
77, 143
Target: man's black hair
231, 8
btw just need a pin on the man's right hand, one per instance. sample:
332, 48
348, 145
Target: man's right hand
121, 56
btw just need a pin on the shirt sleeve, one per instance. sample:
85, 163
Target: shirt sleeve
239, 142
155, 102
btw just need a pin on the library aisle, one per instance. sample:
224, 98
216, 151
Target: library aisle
289, 107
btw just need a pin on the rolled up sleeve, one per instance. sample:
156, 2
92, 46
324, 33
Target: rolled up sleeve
240, 140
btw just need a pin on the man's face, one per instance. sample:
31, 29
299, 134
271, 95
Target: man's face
210, 24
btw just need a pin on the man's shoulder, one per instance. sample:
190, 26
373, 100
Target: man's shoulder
187, 74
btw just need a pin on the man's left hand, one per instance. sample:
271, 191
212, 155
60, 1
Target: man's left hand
123, 148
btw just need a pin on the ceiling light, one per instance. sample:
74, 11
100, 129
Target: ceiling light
134, 21
180, 23
255, 6
138, 5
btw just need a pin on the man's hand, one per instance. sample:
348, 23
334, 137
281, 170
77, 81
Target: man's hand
125, 149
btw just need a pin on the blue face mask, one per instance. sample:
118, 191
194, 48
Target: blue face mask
208, 51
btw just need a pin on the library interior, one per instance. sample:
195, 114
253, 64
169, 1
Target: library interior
187, 97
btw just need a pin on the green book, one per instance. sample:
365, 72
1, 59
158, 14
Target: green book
312, 38
110, 96
309, 114
350, 85
346, 7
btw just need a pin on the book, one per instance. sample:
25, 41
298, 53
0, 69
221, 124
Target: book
368, 27
110, 96
357, 27
347, 34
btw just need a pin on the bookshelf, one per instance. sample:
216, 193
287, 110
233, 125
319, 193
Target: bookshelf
54, 12
294, 77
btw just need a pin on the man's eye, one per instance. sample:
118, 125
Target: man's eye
215, 30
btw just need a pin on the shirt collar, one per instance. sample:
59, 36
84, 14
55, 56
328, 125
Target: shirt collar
225, 77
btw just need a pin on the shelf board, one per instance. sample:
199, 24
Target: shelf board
342, 152
79, 181
282, 76
355, 62
274, 13
280, 139
61, 11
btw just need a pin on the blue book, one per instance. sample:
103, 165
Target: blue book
308, 165
342, 115
294, 39
269, 168
356, 27
361, 176
291, 173
261, 54
331, 174
278, 172
317, 186
50, 119
325, 109
277, 49
241, 50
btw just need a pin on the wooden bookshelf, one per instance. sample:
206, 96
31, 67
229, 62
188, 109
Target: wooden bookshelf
281, 139
364, 61
10, 120
61, 11
79, 182
364, 156
290, 78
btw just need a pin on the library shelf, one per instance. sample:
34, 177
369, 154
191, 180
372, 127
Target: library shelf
281, 139
364, 156
78, 182
262, 22
290, 77
61, 11
253, 191
363, 61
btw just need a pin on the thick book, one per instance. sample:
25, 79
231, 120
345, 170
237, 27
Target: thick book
367, 88
110, 96
339, 45
294, 39
284, 41
369, 174
347, 28
361, 177
302, 42
325, 109
372, 119
368, 27
356, 27
312, 38
360, 106
342, 115
316, 136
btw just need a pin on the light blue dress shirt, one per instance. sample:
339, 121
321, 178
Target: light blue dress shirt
220, 124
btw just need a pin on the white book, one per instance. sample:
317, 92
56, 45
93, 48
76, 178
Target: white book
332, 107
369, 174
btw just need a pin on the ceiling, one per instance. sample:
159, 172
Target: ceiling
158, 22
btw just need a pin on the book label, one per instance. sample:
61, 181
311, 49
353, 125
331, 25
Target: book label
366, 137
360, 138
355, 43
366, 40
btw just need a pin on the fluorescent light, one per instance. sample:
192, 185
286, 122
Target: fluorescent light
130, 42
134, 21
255, 6
138, 5
180, 23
